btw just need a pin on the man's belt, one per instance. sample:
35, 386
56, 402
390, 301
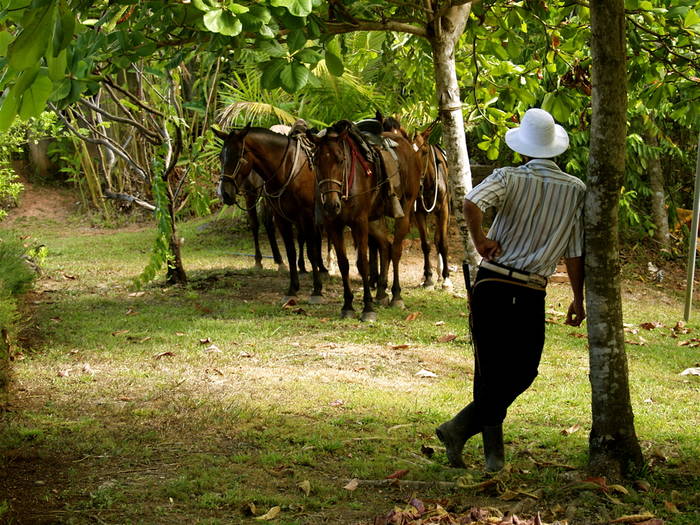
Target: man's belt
518, 275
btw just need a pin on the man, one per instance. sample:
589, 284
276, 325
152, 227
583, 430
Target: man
539, 219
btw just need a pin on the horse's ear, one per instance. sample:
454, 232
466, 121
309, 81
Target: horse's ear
313, 137
221, 134
378, 116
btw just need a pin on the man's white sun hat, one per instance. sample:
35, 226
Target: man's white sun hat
538, 136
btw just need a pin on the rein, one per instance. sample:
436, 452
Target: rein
437, 174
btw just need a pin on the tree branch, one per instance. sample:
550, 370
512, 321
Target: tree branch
129, 198
131, 97
336, 28
151, 136
104, 141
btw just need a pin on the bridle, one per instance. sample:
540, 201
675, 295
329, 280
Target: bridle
242, 161
346, 183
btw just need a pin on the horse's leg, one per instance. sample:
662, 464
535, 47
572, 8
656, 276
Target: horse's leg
360, 235
373, 249
302, 240
425, 247
312, 236
287, 232
401, 226
318, 246
442, 224
336, 235
255, 226
377, 230
270, 229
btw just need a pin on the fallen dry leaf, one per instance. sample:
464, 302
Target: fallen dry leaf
642, 485
205, 341
671, 507
447, 338
397, 474
337, 403
439, 323
131, 311
164, 354
412, 316
305, 487
352, 484
270, 514
290, 302
137, 294
571, 430
399, 347
652, 325
212, 348
579, 335
425, 373
120, 332
690, 372
633, 518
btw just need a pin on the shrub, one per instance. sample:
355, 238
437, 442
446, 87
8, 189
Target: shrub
16, 277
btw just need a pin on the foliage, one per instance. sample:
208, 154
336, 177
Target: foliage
161, 254
12, 142
16, 276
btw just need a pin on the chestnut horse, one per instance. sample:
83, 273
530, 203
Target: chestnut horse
433, 199
288, 185
351, 194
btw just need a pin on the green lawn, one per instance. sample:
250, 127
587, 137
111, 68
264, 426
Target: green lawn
212, 403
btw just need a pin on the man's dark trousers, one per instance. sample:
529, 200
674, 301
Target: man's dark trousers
507, 318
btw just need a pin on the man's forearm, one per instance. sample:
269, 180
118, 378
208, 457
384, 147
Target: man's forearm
575, 269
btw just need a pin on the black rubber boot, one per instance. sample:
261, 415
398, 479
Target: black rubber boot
455, 433
493, 447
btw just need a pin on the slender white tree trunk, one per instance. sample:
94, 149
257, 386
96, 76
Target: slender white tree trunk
613, 444
658, 195
444, 34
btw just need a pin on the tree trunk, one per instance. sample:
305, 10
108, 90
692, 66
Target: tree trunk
444, 34
613, 444
658, 196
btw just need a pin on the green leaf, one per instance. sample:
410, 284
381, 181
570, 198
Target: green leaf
692, 17
309, 56
5, 39
222, 22
63, 29
57, 65
294, 76
236, 9
295, 40
8, 111
270, 78
204, 5
27, 49
334, 64
35, 97
300, 8
61, 90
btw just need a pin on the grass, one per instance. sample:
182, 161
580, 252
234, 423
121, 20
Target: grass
212, 404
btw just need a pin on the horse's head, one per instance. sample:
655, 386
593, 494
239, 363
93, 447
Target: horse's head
235, 166
330, 159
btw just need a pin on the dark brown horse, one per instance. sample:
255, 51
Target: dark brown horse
433, 200
351, 194
251, 190
289, 186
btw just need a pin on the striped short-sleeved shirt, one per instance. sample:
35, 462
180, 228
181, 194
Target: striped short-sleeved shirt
539, 214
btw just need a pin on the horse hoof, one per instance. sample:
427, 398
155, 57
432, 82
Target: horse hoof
316, 299
369, 317
382, 301
258, 266
428, 285
447, 284
398, 303
347, 314
282, 268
